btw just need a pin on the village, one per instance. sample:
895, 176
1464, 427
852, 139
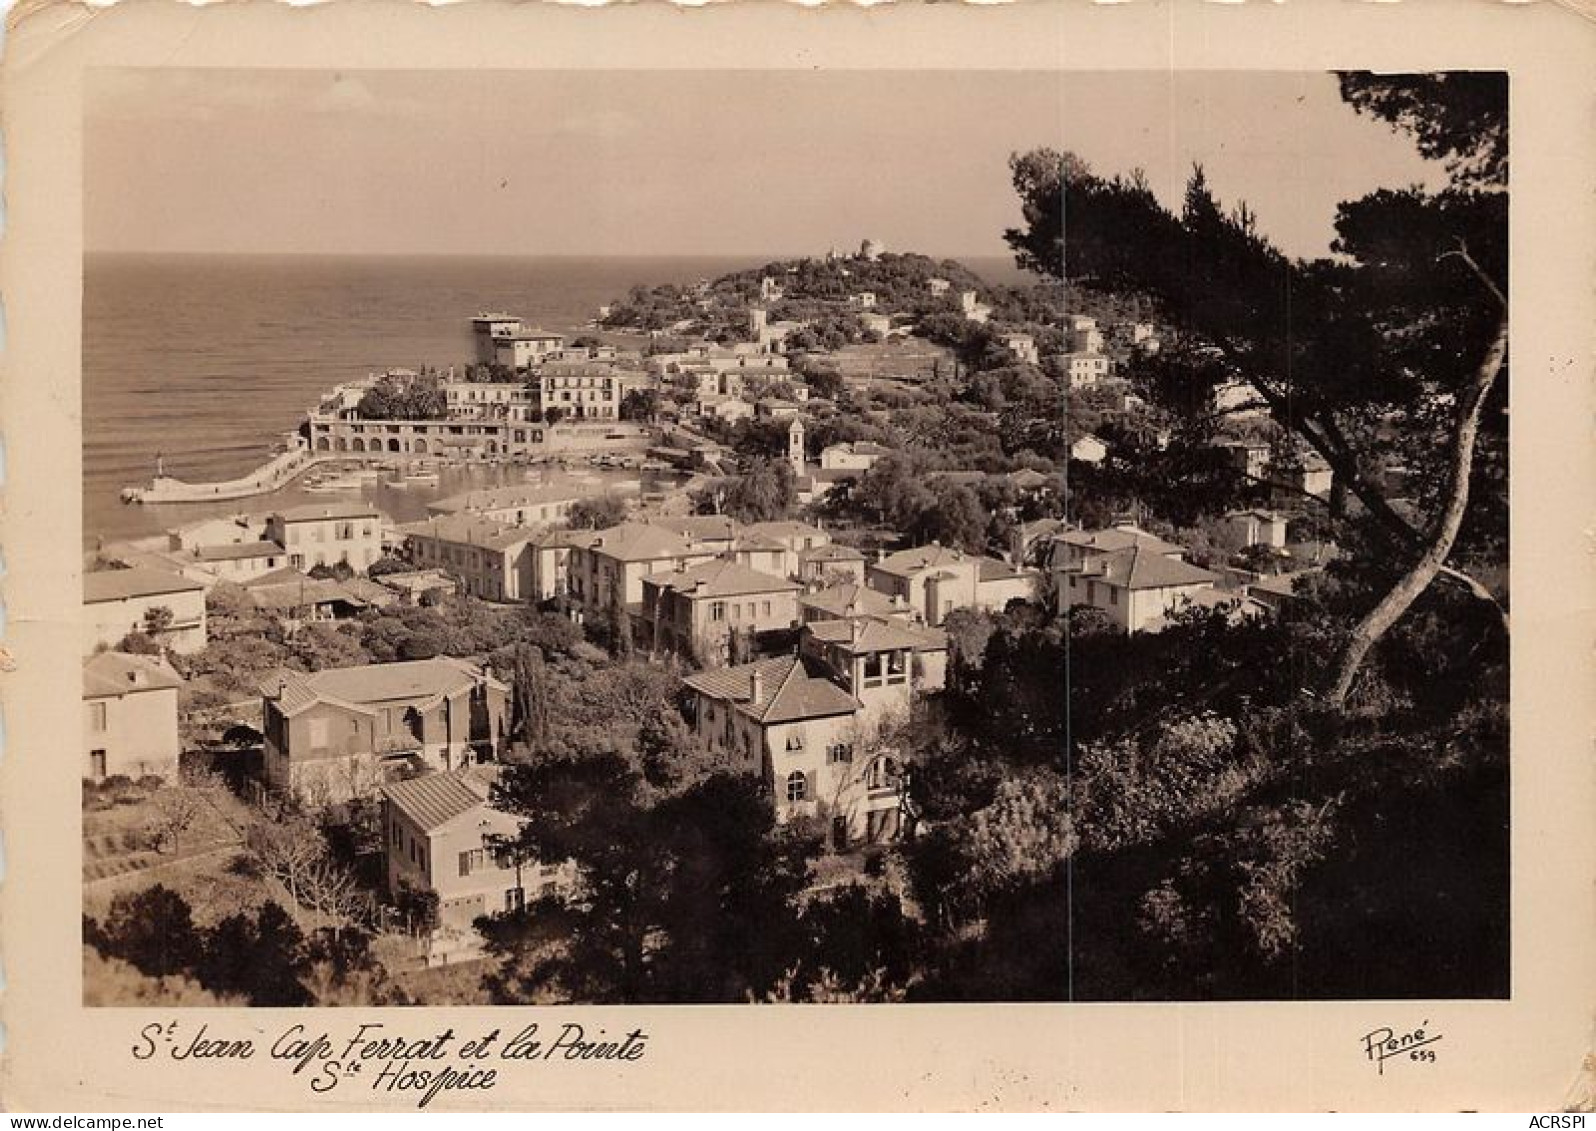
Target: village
861, 481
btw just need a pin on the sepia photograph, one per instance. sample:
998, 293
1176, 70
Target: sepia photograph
884, 558
830, 536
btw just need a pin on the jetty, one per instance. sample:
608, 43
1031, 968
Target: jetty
273, 475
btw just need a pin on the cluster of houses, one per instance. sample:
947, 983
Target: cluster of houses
1093, 356
161, 594
1138, 580
269, 556
1298, 470
560, 397
720, 380
804, 652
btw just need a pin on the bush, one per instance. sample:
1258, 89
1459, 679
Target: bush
386, 565
153, 929
139, 644
261, 958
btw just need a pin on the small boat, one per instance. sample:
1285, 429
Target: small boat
343, 482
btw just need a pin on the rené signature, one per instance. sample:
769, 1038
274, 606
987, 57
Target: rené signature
1380, 1045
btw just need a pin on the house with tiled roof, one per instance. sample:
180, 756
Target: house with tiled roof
695, 611
777, 408
328, 533
214, 549
1251, 458
230, 530
714, 531
1084, 369
1278, 591
492, 559
720, 406
760, 553
1077, 547
1138, 586
552, 552
438, 832
374, 594
519, 504
795, 538
934, 580
297, 598
607, 567
998, 582
184, 563
882, 660
848, 600
116, 601
818, 482
240, 561
1022, 346
1028, 479
1303, 472
339, 733
1256, 526
858, 455
830, 563
411, 586
130, 716
790, 721
1031, 543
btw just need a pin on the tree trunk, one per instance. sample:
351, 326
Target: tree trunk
1402, 595
1328, 441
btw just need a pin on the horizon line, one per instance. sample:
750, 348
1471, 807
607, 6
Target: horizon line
764, 256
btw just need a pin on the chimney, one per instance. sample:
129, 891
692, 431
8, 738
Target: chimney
856, 629
756, 687
136, 677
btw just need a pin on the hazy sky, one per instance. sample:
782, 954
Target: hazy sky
662, 162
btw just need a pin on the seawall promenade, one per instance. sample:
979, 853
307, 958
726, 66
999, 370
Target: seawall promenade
276, 473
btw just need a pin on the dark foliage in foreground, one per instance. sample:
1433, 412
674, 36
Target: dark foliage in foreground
258, 959
1230, 838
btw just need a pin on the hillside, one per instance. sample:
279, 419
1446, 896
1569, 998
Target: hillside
817, 291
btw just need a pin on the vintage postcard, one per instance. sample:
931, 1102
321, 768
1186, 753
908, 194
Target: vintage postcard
1007, 557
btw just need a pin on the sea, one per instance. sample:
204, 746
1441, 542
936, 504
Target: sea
206, 362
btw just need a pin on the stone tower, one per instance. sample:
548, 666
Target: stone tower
795, 447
